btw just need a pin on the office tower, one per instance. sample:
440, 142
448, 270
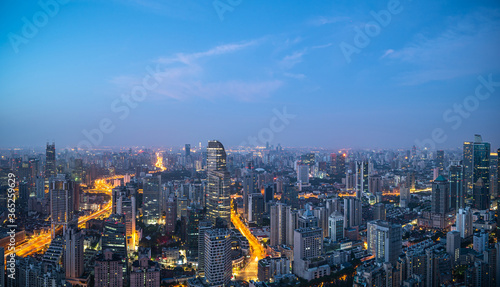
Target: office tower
151, 202
145, 273
203, 226
182, 205
39, 187
336, 226
108, 270
171, 214
268, 193
361, 178
187, 149
457, 186
303, 173
384, 240
480, 195
50, 160
126, 207
374, 184
453, 241
194, 217
219, 200
468, 164
249, 186
352, 212
307, 219
292, 223
440, 195
218, 262
440, 161
379, 211
464, 222
2, 268
24, 196
404, 196
255, 208
480, 241
61, 202
481, 163
114, 235
278, 224
307, 248
73, 253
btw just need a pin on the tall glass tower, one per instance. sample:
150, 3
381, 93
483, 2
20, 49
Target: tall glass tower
218, 201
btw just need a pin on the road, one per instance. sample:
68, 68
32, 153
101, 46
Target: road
256, 250
38, 242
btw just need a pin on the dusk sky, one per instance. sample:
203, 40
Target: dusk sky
212, 70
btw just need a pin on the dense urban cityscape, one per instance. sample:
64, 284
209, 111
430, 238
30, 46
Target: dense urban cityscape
208, 215
249, 143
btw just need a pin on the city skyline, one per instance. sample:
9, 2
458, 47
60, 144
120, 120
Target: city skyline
212, 75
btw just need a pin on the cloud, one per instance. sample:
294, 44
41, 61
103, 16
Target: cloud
184, 76
322, 20
468, 45
295, 76
293, 59
387, 53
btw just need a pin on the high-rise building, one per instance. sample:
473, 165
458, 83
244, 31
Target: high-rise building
440, 196
481, 163
126, 207
384, 240
480, 195
379, 212
308, 248
278, 224
303, 173
249, 186
194, 217
218, 204
171, 214
404, 196
498, 184
255, 208
468, 164
204, 225
61, 191
151, 203
480, 241
73, 253
307, 218
457, 186
145, 273
114, 235
218, 262
361, 178
108, 270
464, 222
336, 226
440, 161
268, 267
374, 184
352, 212
187, 149
50, 160
453, 241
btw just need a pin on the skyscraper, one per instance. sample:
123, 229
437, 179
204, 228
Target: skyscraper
126, 208
457, 186
151, 202
73, 253
384, 240
352, 212
204, 225
453, 245
114, 236
61, 202
50, 160
361, 178
467, 162
219, 201
303, 173
171, 214
480, 195
249, 186
440, 196
278, 224
440, 161
379, 211
481, 162
308, 247
218, 262
255, 208
336, 226
464, 222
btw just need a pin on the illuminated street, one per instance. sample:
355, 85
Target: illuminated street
256, 250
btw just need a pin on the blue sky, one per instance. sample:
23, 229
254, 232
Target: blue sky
222, 77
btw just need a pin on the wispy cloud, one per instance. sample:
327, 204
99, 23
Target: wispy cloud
322, 20
472, 39
189, 79
293, 59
